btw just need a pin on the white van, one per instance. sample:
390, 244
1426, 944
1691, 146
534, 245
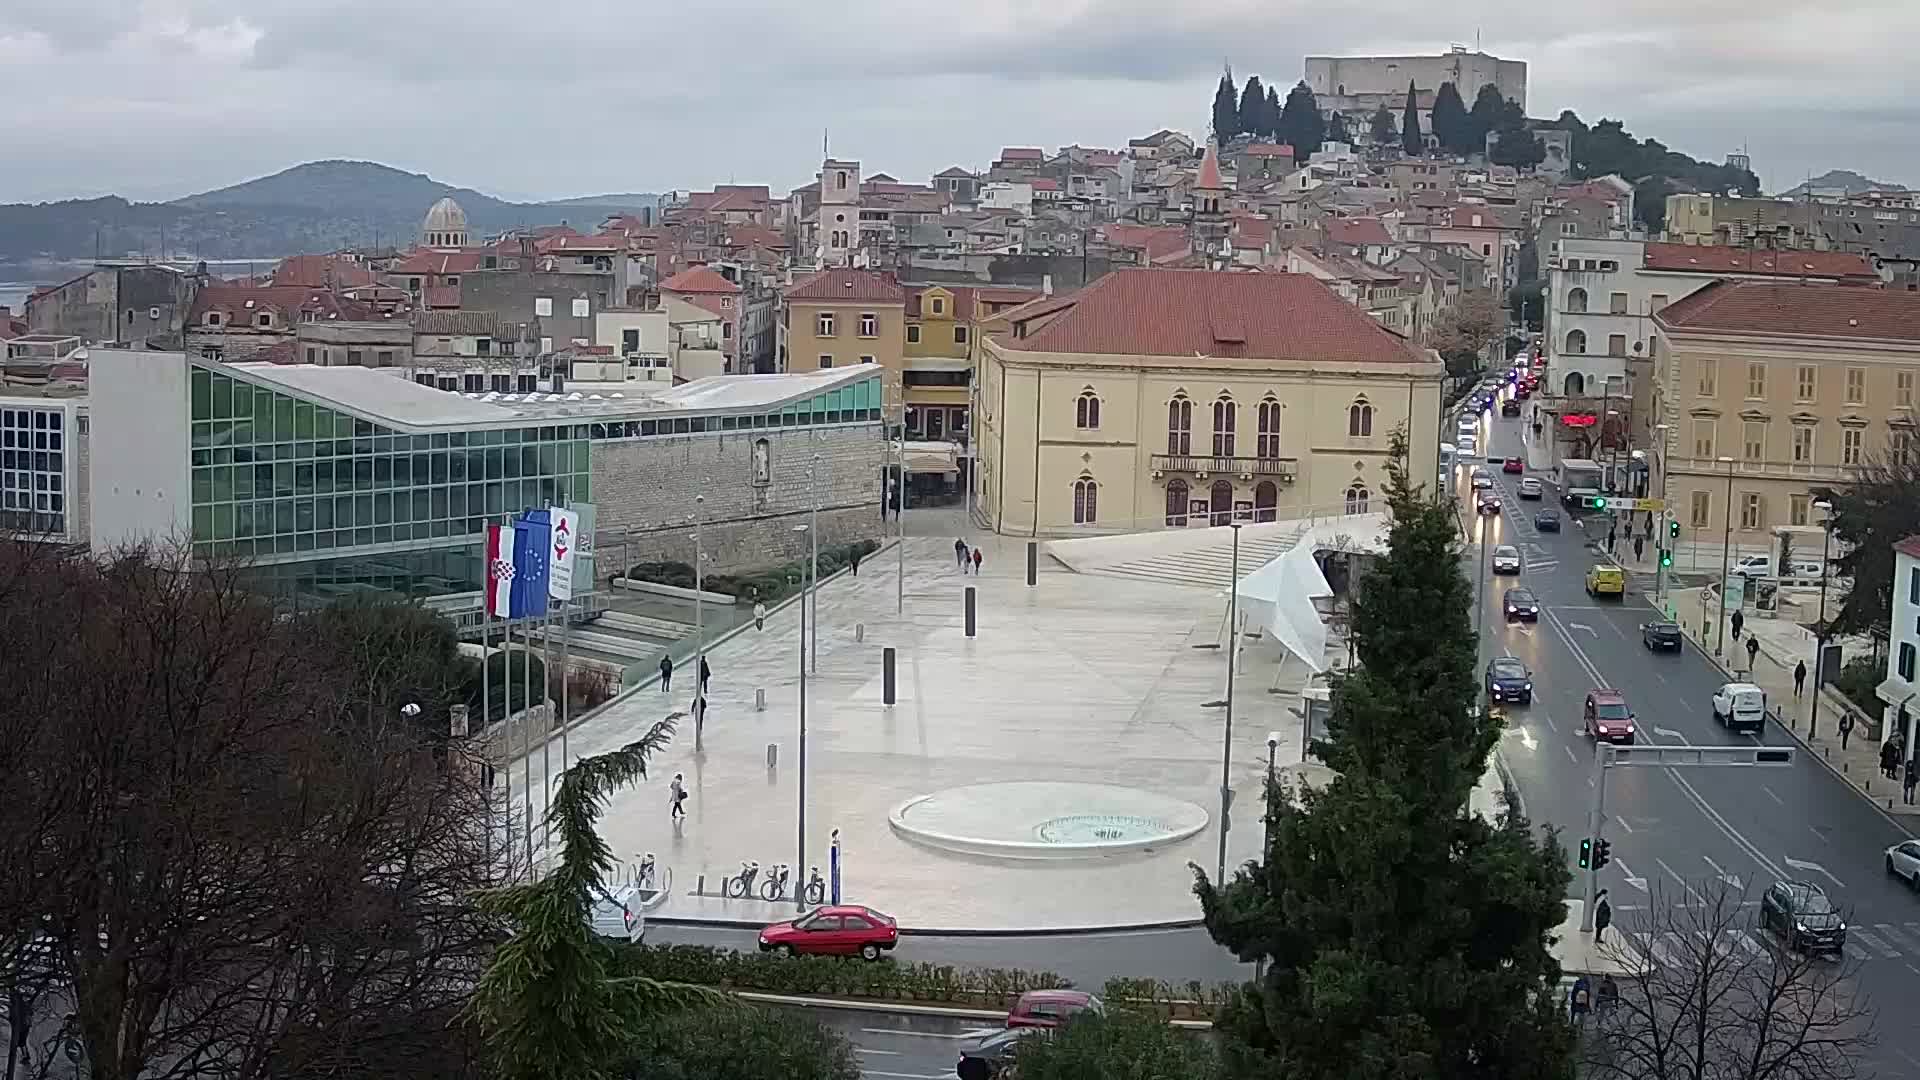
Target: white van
1761, 566
1740, 707
617, 915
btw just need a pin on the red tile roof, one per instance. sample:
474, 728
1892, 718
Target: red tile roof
1210, 169
1045, 184
320, 271
699, 279
566, 242
441, 297
1797, 310
1158, 241
1909, 547
1711, 259
832, 286
438, 262
1214, 313
1268, 150
1358, 232
1022, 153
286, 300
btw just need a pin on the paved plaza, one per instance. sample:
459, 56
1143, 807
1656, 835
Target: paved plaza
1078, 680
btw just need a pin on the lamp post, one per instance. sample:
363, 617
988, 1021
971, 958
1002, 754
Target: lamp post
1482, 525
1233, 661
699, 621
1666, 534
1266, 831
1726, 560
800, 860
1825, 507
812, 610
899, 517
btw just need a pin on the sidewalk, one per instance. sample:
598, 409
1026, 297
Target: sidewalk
1782, 644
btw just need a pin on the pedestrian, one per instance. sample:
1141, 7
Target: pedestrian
1608, 996
1602, 915
976, 562
1846, 728
1738, 621
699, 718
855, 562
666, 674
1610, 541
1799, 677
676, 796
706, 674
1913, 776
759, 615
1579, 999
1753, 651
1889, 758
960, 553
1639, 547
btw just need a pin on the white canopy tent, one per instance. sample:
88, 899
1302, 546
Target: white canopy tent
1278, 598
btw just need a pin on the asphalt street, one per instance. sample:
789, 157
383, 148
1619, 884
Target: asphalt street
1675, 831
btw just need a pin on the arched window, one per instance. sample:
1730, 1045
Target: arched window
1266, 500
1180, 425
1224, 415
1576, 384
1360, 419
1176, 502
1357, 496
1086, 411
1577, 301
1086, 501
1576, 342
1220, 503
1267, 445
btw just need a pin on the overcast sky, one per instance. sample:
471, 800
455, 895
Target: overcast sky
161, 98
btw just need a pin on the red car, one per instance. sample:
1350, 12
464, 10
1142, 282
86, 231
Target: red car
845, 930
1609, 717
1513, 465
1050, 1008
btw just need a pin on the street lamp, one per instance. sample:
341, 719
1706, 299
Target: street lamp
813, 529
1233, 661
899, 492
699, 625
1825, 507
1666, 537
1266, 831
806, 595
1726, 560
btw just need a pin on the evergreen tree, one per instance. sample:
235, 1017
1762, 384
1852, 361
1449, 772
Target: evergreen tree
1489, 111
1301, 123
1383, 129
1449, 122
1410, 138
1226, 110
1273, 113
1404, 936
1253, 108
1517, 146
1337, 129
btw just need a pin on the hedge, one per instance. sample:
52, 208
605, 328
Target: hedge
967, 987
767, 585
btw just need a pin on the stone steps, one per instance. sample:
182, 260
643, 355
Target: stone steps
1205, 567
644, 625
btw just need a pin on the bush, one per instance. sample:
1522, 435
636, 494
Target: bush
738, 1041
504, 695
1856, 681
767, 585
585, 688
1119, 1045
702, 965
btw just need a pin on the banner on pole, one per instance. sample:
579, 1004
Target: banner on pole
500, 570
563, 541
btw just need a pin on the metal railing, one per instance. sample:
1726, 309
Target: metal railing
1285, 468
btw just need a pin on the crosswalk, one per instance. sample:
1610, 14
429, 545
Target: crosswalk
1865, 942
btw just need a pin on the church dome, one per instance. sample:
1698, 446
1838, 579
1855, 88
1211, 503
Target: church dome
445, 226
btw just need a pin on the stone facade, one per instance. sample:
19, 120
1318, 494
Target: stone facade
644, 490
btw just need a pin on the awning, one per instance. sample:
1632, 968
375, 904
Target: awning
1278, 598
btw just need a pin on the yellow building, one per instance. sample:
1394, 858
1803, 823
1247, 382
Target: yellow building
1771, 388
945, 325
1182, 398
839, 318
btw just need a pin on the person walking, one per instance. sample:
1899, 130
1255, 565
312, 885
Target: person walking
976, 562
854, 562
1846, 728
1639, 548
1753, 651
759, 615
676, 798
1799, 677
1602, 915
699, 718
666, 674
1913, 777
706, 675
960, 553
1738, 620
1889, 758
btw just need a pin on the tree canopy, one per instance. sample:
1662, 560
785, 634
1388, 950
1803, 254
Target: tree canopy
1254, 119
1118, 1045
1411, 140
1655, 171
1337, 129
1226, 110
1405, 937
1301, 124
1490, 108
1449, 120
1880, 507
1382, 127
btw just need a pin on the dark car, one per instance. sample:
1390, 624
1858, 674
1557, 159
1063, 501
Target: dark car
1509, 680
1510, 407
1489, 503
1547, 521
993, 1055
841, 930
1660, 636
1521, 604
1800, 912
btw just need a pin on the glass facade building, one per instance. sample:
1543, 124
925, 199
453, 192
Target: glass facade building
33, 469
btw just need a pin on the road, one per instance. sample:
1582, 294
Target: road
1670, 829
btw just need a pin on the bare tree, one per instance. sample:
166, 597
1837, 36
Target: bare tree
1711, 995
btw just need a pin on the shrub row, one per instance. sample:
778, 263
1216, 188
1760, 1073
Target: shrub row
768, 585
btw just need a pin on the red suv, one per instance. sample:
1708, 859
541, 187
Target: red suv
1050, 1008
1609, 717
845, 930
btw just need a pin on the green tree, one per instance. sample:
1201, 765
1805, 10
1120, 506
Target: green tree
1301, 123
1273, 113
734, 1041
550, 1005
1650, 203
1411, 140
400, 654
1488, 109
1337, 129
1877, 509
1449, 120
1515, 145
1226, 109
1404, 936
1253, 109
1382, 127
1119, 1045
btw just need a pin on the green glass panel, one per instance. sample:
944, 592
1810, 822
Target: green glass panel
243, 520
203, 485
223, 522
263, 415
582, 456
222, 397
243, 482
202, 434
202, 524
202, 382
222, 477
303, 419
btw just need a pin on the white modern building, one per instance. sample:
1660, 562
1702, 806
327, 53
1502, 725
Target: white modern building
1902, 683
43, 469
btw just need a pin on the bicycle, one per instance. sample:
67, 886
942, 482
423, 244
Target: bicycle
816, 889
775, 887
741, 886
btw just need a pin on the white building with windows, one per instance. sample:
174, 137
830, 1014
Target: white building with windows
1902, 684
43, 462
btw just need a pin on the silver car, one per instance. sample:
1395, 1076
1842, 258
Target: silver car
1903, 861
1506, 559
1482, 479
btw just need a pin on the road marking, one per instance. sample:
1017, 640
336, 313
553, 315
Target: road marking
1898, 937
878, 1053
1637, 882
904, 1076
973, 1033
1771, 795
1815, 867
1624, 827
1732, 880
1584, 626
1817, 833
1669, 733
1654, 947
1882, 947
1570, 754
1856, 952
1675, 875
1745, 941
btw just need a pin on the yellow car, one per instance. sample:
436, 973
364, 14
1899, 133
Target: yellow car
1604, 580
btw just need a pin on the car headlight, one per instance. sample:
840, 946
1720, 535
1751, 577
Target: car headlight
1843, 928
1529, 686
1801, 927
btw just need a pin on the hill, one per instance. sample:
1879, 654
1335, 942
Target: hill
318, 206
1842, 179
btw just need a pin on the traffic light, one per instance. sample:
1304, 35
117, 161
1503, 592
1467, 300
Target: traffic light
1673, 528
1586, 853
1666, 558
1601, 856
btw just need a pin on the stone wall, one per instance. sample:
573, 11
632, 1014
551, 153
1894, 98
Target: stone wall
644, 490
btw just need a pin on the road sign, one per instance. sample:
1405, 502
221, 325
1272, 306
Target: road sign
1636, 505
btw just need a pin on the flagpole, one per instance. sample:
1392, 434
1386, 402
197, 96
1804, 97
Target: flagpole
526, 731
486, 696
546, 713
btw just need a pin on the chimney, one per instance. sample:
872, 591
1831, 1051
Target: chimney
1046, 284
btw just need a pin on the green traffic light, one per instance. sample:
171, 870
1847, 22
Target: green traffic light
1673, 528
1586, 853
1666, 558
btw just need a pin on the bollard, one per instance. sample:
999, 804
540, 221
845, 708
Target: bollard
760, 700
1033, 562
859, 631
773, 755
970, 615
700, 885
1827, 752
886, 675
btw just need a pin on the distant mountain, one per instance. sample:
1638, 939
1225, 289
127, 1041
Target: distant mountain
318, 206
1845, 179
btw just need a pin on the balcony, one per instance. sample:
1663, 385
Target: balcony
1284, 468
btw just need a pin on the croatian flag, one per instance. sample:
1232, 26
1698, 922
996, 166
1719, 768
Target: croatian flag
499, 569
532, 537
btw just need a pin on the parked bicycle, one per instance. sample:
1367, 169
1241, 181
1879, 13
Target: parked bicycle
740, 887
775, 887
816, 888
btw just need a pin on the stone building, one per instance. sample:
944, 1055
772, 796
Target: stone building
123, 304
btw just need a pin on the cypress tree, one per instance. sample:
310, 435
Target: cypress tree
1301, 123
1450, 127
1226, 110
1410, 139
1489, 111
1273, 113
1383, 129
1253, 108
1337, 130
